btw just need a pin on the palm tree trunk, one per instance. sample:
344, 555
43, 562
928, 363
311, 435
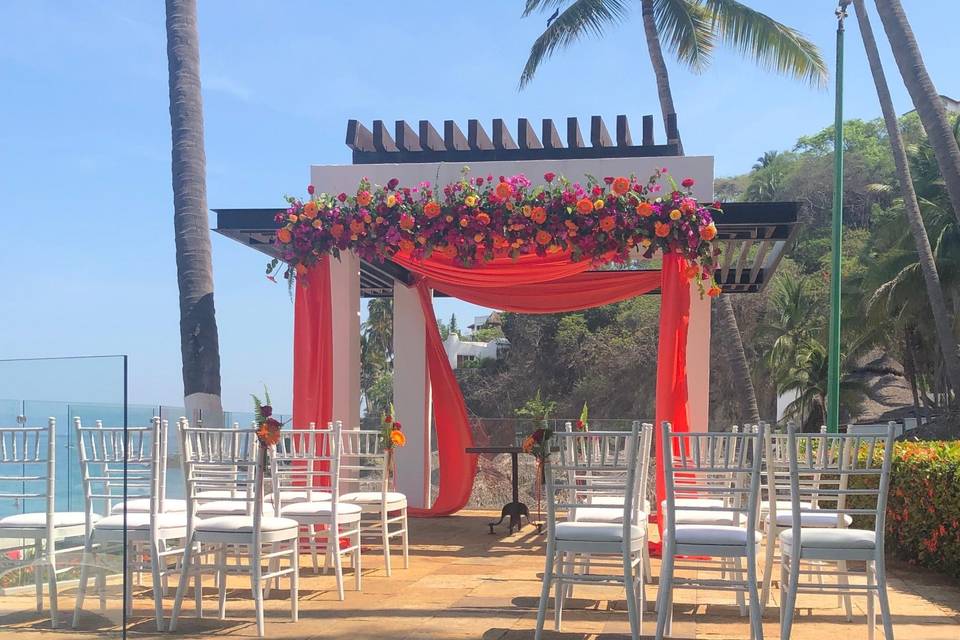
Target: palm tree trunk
659, 64
199, 344
941, 318
924, 95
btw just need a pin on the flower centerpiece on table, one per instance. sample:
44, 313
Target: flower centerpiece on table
478, 219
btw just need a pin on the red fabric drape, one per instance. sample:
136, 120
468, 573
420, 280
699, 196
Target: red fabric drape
582, 291
313, 351
500, 272
457, 467
671, 359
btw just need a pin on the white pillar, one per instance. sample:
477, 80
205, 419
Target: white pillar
698, 360
345, 309
411, 395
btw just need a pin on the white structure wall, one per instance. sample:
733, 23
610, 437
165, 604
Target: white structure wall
698, 361
454, 347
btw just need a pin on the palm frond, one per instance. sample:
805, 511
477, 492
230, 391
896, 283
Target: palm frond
542, 6
770, 43
580, 18
685, 30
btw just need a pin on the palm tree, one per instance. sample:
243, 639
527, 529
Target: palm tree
766, 160
924, 95
199, 344
807, 378
941, 317
690, 29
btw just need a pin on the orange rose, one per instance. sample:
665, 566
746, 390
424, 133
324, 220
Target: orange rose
310, 210
526, 210
431, 209
608, 223
364, 198
621, 186
478, 237
544, 237
584, 206
708, 232
397, 438
464, 222
284, 235
336, 230
504, 190
483, 217
571, 225
675, 214
406, 222
644, 209
538, 215
356, 227
662, 230
692, 272
405, 245
713, 291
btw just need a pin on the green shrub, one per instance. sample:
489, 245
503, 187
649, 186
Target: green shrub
923, 507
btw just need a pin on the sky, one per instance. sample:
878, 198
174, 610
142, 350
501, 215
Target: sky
86, 212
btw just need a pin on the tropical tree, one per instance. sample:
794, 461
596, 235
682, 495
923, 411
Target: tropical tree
927, 264
376, 356
199, 344
766, 159
924, 95
806, 377
689, 28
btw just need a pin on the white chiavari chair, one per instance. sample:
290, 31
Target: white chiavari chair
696, 465
853, 473
153, 537
365, 467
229, 461
28, 474
573, 481
309, 457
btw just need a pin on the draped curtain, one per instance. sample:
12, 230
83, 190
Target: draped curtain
530, 284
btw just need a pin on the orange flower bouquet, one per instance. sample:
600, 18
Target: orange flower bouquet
391, 431
268, 427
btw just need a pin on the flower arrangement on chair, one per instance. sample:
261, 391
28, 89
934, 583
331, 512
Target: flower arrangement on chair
268, 427
391, 431
581, 424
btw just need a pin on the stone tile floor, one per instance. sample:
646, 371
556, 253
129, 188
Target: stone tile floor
464, 583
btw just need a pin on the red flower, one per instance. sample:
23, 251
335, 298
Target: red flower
310, 189
687, 182
549, 176
392, 183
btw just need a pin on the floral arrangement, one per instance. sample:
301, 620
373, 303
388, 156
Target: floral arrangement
537, 443
477, 219
582, 424
268, 427
391, 431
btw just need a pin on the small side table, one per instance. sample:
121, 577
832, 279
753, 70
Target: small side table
514, 509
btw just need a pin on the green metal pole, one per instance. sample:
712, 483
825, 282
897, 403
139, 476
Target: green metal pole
833, 362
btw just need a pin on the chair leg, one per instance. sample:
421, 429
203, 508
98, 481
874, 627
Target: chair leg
845, 582
357, 554
222, 583
37, 573
788, 601
52, 587
871, 613
629, 587
295, 581
334, 542
128, 566
82, 586
559, 587
545, 589
182, 583
756, 611
406, 541
881, 573
647, 567
386, 541
312, 537
256, 585
664, 610
157, 583
738, 576
769, 551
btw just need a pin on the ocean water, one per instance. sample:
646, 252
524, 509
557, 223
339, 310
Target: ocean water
68, 485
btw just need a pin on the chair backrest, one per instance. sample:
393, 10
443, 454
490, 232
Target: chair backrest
722, 466
307, 460
363, 461
28, 466
106, 453
853, 472
226, 461
609, 469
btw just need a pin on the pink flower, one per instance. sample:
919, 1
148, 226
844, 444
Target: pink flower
392, 183
549, 176
342, 197
310, 189
687, 182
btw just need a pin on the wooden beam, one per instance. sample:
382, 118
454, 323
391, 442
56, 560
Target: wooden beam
599, 136
548, 133
501, 135
647, 131
477, 138
430, 140
359, 137
382, 141
526, 136
453, 138
574, 138
623, 132
407, 139
673, 133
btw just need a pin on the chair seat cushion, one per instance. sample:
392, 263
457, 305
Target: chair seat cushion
812, 519
299, 495
39, 520
374, 497
142, 505
141, 521
707, 534
831, 538
595, 532
319, 509
229, 508
244, 524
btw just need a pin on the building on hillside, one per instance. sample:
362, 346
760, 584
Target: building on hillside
949, 105
483, 322
462, 353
